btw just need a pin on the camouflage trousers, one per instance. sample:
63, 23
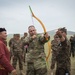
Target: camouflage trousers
61, 71
32, 71
16, 58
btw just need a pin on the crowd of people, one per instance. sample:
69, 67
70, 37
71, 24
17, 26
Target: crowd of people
29, 49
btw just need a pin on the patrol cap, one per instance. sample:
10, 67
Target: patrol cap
18, 35
2, 29
63, 29
25, 33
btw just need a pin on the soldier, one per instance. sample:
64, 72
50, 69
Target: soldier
72, 45
54, 46
63, 55
11, 40
24, 47
36, 58
25, 35
10, 43
16, 48
5, 66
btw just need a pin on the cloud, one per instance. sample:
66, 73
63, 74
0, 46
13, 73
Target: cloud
15, 15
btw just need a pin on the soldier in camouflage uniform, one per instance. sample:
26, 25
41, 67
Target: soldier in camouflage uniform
63, 55
25, 35
10, 43
72, 45
11, 40
54, 46
36, 58
17, 52
24, 47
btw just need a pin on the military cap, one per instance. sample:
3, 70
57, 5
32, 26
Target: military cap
25, 33
18, 35
63, 29
2, 29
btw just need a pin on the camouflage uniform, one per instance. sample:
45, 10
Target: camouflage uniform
17, 52
23, 45
36, 58
10, 43
63, 58
11, 40
25, 35
54, 47
72, 40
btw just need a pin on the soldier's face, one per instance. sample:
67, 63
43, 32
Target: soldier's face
25, 34
63, 33
32, 31
3, 35
17, 37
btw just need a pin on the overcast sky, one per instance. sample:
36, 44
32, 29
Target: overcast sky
15, 15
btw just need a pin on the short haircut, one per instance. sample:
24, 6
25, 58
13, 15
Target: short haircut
31, 26
2, 29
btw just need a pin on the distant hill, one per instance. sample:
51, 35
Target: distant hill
11, 35
71, 33
52, 32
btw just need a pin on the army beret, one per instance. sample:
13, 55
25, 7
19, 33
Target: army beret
2, 29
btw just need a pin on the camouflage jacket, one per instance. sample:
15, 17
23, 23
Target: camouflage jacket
54, 47
10, 41
62, 56
22, 38
36, 52
16, 46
